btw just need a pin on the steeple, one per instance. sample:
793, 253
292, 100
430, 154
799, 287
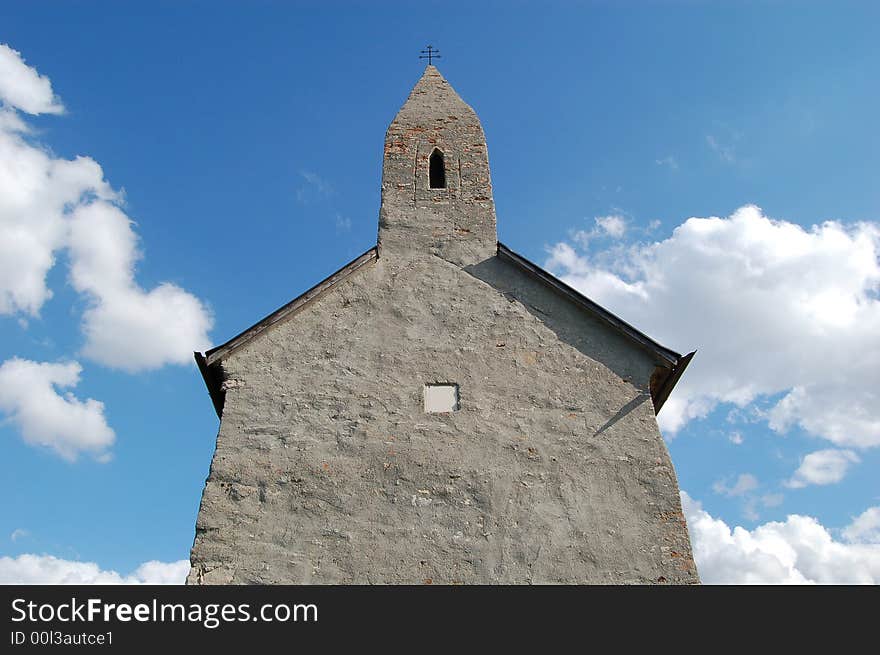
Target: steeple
436, 186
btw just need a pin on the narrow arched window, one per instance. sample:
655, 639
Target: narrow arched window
437, 171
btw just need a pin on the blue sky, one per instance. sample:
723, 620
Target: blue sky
245, 143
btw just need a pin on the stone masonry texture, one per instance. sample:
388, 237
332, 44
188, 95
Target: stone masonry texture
327, 468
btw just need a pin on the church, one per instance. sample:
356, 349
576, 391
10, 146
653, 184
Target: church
440, 410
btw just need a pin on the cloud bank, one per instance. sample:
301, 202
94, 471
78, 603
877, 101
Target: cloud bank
797, 551
45, 569
778, 312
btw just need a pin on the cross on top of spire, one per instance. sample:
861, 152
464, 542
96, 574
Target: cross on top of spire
429, 53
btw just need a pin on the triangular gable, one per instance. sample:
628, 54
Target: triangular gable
670, 366
209, 363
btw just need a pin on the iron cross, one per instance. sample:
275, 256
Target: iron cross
429, 53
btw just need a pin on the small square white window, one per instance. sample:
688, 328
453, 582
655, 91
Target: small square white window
441, 398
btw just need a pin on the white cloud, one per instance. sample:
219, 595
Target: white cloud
19, 533
743, 487
49, 204
753, 502
315, 188
45, 569
797, 551
35, 191
865, 528
343, 223
772, 500
669, 161
823, 467
768, 303
745, 483
23, 88
65, 424
127, 327
736, 438
725, 152
611, 226
320, 184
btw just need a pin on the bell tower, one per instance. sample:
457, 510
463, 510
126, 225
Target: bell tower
436, 186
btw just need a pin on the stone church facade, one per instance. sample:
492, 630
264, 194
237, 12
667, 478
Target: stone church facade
440, 409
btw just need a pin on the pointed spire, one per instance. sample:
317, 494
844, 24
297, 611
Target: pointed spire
436, 186
433, 97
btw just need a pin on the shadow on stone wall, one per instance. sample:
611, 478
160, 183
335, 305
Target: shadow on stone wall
571, 323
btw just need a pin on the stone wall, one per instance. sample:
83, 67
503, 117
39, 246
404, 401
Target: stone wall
327, 469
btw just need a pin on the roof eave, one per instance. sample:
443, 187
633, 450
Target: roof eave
213, 377
671, 380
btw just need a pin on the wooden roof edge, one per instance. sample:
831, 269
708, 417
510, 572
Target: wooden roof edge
671, 380
220, 352
210, 363
213, 377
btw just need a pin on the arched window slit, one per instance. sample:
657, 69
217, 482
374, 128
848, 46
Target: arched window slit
437, 170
